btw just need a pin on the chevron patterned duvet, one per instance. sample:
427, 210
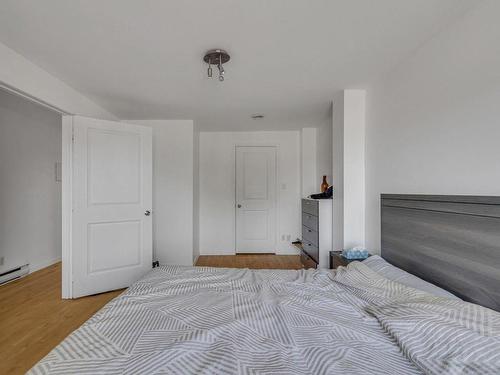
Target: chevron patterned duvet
198, 320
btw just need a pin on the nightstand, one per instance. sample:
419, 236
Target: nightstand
337, 260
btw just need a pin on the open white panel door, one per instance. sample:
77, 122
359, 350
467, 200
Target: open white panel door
112, 205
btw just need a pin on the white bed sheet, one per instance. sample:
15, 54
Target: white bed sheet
382, 267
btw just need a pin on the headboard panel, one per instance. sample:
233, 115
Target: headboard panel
450, 241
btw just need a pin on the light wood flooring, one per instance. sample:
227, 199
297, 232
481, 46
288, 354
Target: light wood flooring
34, 318
257, 261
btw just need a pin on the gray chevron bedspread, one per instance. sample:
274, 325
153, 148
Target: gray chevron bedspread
198, 320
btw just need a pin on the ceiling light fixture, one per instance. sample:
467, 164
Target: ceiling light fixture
216, 57
257, 116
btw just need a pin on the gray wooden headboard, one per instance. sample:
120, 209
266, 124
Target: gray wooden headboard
450, 241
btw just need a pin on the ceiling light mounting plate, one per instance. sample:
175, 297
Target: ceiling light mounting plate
216, 57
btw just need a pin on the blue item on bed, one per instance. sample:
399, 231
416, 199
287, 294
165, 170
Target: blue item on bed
355, 253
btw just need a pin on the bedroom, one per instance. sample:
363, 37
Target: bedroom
389, 97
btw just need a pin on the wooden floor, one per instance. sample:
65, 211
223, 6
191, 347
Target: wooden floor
34, 318
257, 261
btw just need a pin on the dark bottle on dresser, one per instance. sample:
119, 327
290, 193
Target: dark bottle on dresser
324, 185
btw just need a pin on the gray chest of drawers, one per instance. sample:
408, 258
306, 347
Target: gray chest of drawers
317, 229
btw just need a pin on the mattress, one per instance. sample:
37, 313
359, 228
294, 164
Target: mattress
199, 320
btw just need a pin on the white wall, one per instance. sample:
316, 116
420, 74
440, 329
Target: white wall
21, 74
348, 134
196, 195
338, 170
217, 187
324, 151
30, 197
433, 124
308, 162
172, 190
354, 168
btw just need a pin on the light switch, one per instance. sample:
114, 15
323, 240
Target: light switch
58, 168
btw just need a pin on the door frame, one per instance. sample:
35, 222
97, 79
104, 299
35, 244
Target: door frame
67, 206
276, 194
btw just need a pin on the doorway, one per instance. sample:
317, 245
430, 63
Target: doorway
30, 186
256, 199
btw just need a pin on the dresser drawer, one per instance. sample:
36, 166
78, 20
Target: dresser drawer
307, 261
310, 235
310, 221
311, 250
309, 206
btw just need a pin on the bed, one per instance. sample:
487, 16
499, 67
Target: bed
367, 318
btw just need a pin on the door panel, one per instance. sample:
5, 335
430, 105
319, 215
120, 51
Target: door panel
255, 172
255, 199
112, 190
255, 224
125, 236
114, 166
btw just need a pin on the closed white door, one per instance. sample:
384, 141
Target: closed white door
255, 199
112, 205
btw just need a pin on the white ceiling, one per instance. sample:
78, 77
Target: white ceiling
143, 59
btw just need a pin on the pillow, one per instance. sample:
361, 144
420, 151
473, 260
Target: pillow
383, 268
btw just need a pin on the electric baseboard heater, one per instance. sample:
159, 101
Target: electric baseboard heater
14, 273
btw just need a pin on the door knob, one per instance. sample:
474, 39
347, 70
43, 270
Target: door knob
239, 206
147, 213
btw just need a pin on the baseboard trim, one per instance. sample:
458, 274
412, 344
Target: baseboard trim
39, 266
196, 260
218, 253
289, 251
